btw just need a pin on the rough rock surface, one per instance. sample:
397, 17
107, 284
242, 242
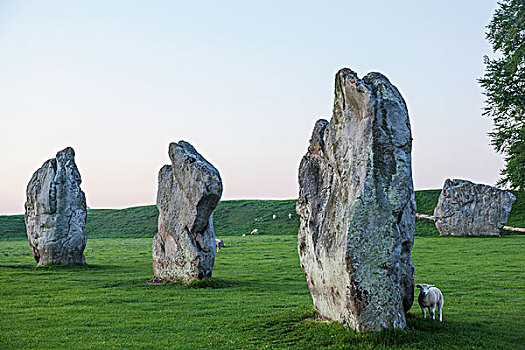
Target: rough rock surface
357, 207
189, 190
55, 212
468, 209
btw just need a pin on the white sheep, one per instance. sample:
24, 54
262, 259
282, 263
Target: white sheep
274, 216
430, 297
219, 244
255, 232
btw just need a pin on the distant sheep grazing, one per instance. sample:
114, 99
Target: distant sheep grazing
274, 216
255, 232
219, 244
430, 297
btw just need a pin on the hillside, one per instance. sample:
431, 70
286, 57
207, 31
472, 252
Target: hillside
231, 218
517, 215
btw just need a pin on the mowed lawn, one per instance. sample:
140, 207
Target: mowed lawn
257, 299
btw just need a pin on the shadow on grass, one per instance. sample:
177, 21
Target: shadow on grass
419, 331
52, 266
133, 283
456, 333
19, 267
512, 233
207, 283
418, 323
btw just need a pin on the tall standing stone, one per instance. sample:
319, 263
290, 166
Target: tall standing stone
189, 190
357, 207
468, 209
55, 212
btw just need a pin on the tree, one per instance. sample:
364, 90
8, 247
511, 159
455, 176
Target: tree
504, 87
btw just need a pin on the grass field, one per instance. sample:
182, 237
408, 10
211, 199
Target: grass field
257, 298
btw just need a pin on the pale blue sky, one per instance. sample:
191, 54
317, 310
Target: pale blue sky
243, 82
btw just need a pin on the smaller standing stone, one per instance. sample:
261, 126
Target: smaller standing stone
55, 212
189, 190
468, 209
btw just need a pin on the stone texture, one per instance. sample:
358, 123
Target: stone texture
357, 207
189, 190
468, 209
55, 212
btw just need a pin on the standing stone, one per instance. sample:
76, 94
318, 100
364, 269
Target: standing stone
357, 207
189, 190
468, 209
55, 212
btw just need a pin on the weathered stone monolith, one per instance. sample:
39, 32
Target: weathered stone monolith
55, 212
189, 190
468, 209
357, 207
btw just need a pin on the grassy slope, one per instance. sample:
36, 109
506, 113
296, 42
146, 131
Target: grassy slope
12, 227
231, 218
132, 222
234, 218
517, 215
260, 301
426, 202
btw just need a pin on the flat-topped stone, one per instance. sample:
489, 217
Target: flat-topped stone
468, 209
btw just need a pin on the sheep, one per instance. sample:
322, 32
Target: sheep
430, 297
274, 216
219, 244
255, 232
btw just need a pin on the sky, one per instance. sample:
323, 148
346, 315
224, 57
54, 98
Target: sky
243, 82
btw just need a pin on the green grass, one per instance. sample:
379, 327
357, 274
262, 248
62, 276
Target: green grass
258, 296
232, 218
426, 228
131, 222
426, 201
12, 227
517, 215
257, 299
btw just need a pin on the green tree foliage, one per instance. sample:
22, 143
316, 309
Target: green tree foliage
504, 87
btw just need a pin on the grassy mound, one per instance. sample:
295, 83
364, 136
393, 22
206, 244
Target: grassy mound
235, 218
231, 218
517, 215
12, 227
131, 222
